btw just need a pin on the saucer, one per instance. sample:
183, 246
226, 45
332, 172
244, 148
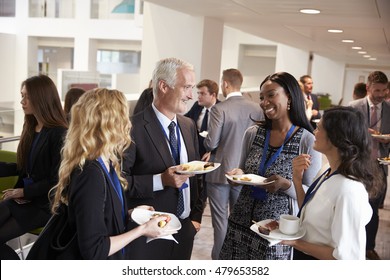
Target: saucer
276, 233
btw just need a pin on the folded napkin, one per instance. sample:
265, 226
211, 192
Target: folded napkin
167, 237
273, 242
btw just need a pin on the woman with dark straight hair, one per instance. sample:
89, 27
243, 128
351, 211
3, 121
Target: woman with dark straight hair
26, 206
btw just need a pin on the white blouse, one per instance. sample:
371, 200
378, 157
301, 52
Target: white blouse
337, 215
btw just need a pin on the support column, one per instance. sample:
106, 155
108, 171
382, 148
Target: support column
168, 33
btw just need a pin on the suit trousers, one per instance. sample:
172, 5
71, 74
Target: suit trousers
222, 198
161, 249
373, 224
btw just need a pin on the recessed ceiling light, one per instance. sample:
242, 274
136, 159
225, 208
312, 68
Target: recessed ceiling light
372, 58
348, 41
310, 11
335, 31
362, 52
366, 55
356, 48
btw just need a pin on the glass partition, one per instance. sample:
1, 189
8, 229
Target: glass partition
51, 8
7, 8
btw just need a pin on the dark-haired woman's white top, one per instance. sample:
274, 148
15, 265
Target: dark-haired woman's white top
337, 216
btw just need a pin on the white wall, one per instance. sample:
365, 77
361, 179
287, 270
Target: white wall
168, 33
291, 60
126, 83
7, 70
328, 77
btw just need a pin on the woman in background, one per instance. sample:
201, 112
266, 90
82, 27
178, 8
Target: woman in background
71, 97
90, 180
336, 209
26, 206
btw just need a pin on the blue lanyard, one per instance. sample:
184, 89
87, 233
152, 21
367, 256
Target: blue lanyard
114, 180
264, 164
314, 188
176, 157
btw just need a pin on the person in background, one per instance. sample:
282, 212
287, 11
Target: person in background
228, 121
71, 97
336, 209
163, 140
359, 91
145, 100
387, 98
307, 82
308, 102
199, 112
26, 206
268, 150
377, 113
90, 176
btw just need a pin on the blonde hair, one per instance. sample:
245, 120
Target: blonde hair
100, 125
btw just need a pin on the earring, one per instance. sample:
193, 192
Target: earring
288, 105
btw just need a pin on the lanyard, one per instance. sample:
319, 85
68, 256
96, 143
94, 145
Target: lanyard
176, 157
264, 164
314, 187
114, 180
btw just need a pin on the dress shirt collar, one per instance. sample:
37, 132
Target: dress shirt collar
235, 93
370, 104
204, 107
164, 120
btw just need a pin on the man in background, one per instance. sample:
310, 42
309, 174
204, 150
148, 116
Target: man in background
377, 113
359, 91
307, 82
228, 121
199, 112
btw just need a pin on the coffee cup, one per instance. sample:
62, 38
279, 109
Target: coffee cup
289, 224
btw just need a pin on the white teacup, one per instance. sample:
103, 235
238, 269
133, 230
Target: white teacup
289, 224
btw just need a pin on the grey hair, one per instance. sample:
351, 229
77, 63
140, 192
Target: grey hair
166, 70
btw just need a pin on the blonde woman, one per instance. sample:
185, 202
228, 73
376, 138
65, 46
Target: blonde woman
90, 180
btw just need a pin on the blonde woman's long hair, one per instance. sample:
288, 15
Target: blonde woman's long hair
100, 125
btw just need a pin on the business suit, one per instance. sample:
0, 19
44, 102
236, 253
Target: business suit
227, 124
44, 172
148, 155
316, 106
383, 150
95, 212
194, 114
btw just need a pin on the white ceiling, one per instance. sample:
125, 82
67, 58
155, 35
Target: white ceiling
367, 22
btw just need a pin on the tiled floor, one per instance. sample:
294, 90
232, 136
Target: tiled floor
204, 238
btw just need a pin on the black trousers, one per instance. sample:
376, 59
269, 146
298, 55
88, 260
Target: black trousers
372, 226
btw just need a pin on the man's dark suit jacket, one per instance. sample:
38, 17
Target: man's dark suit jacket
148, 155
44, 171
194, 114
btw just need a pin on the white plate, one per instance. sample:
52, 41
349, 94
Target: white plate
276, 234
381, 136
141, 216
195, 162
256, 180
384, 162
316, 120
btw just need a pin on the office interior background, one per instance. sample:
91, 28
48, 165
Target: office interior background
115, 43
